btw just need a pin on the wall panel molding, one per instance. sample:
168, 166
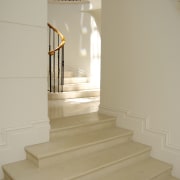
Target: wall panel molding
159, 139
140, 124
5, 133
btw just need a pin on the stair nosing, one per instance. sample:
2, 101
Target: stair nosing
163, 171
82, 125
75, 91
156, 175
37, 157
110, 164
145, 149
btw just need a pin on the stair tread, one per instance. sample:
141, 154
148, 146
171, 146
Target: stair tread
79, 91
70, 80
59, 145
143, 170
173, 178
78, 166
80, 120
78, 86
74, 94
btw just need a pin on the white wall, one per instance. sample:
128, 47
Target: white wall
78, 28
23, 77
96, 4
141, 72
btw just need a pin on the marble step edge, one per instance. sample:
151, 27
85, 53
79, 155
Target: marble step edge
127, 159
74, 94
83, 127
150, 168
70, 80
77, 87
113, 165
41, 160
172, 178
66, 73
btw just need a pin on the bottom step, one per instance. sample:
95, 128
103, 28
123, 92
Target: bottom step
81, 165
74, 94
144, 170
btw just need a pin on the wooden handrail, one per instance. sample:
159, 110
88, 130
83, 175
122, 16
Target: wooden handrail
62, 39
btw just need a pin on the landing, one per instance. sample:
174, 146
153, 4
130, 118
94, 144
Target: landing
70, 107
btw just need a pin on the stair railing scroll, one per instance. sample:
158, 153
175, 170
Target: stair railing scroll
56, 59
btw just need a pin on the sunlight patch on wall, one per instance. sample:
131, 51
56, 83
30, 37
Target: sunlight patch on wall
67, 27
95, 49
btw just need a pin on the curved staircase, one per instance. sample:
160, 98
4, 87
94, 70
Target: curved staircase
75, 87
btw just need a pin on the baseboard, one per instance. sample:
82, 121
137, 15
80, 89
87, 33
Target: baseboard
5, 133
13, 141
160, 140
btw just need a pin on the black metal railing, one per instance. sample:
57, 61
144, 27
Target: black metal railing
56, 59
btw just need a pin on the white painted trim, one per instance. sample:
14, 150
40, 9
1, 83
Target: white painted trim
5, 132
160, 140
125, 117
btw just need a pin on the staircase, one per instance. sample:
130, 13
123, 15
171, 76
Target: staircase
88, 147
78, 97
75, 87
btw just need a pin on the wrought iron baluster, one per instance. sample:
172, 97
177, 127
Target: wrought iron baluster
62, 69
50, 60
54, 62
58, 63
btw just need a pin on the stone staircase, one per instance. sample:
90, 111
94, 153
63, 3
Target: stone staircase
88, 147
79, 97
75, 87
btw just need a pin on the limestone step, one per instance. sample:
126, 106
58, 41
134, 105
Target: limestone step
171, 178
77, 87
119, 155
74, 87
73, 80
72, 107
147, 169
62, 148
81, 123
66, 74
67, 80
74, 94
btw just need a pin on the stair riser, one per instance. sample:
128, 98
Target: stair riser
75, 87
83, 150
66, 74
82, 129
71, 95
6, 176
95, 173
75, 80
70, 80
163, 175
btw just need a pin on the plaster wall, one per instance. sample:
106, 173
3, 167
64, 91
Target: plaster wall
23, 77
76, 27
141, 70
96, 4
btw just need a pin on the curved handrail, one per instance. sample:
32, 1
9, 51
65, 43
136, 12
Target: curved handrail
52, 52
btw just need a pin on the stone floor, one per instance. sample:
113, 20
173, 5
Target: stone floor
69, 107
